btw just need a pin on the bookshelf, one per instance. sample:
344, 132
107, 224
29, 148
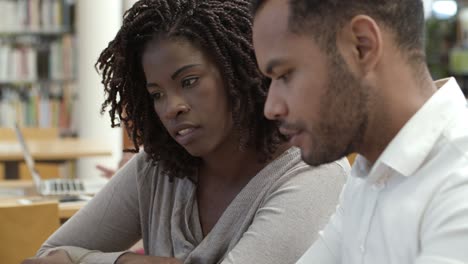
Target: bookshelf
37, 68
92, 24
37, 63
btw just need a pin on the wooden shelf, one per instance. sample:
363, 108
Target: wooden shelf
19, 82
32, 32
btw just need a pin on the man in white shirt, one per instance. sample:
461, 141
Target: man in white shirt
350, 76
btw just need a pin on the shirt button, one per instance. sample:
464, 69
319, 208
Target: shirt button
362, 248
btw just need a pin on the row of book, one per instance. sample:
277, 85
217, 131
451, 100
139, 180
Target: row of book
24, 62
38, 105
34, 15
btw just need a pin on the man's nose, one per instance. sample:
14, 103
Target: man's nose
275, 106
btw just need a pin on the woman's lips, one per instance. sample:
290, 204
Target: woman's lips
186, 135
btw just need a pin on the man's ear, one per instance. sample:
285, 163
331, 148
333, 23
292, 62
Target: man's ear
360, 41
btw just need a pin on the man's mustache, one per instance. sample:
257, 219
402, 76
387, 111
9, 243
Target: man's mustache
289, 126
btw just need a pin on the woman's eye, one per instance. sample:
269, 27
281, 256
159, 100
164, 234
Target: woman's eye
189, 81
156, 96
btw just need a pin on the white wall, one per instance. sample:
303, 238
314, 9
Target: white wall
427, 7
97, 23
128, 3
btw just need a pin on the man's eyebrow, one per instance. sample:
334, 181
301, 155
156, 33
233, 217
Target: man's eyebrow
273, 64
183, 68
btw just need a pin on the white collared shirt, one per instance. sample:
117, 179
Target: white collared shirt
411, 207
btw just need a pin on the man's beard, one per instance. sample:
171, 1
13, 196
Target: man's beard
344, 117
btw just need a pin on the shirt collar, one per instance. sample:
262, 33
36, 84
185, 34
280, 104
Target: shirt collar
413, 143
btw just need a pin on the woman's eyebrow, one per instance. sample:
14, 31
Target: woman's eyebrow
183, 68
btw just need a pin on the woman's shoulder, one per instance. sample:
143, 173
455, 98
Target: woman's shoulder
150, 174
339, 168
299, 172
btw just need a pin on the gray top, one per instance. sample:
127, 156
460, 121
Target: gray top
274, 219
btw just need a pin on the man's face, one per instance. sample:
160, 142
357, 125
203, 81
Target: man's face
318, 101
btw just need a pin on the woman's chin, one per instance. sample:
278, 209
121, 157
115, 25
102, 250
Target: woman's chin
195, 152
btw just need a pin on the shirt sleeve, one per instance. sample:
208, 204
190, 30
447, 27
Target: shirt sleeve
108, 233
444, 230
290, 218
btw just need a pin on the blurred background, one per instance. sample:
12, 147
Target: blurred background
47, 78
447, 39
48, 49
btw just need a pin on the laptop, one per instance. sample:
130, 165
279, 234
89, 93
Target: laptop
62, 188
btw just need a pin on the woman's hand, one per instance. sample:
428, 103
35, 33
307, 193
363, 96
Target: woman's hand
54, 257
132, 258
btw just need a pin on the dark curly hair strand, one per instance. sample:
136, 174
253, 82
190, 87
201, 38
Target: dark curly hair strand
222, 29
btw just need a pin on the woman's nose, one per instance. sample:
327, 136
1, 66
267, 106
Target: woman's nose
175, 108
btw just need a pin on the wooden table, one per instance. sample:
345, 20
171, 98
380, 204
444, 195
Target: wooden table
25, 191
27, 221
50, 150
65, 210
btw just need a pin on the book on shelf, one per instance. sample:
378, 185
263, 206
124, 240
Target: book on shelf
37, 63
30, 62
34, 16
38, 105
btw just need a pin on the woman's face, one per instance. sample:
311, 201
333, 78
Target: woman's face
188, 95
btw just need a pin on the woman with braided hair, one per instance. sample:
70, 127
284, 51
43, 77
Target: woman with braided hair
216, 182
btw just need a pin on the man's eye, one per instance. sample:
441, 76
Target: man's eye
189, 81
284, 77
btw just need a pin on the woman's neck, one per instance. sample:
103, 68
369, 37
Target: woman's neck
232, 165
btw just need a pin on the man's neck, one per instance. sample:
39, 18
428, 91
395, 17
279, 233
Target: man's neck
400, 95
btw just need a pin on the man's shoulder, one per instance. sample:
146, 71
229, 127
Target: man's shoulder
455, 137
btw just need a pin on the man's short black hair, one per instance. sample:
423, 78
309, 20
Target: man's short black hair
323, 18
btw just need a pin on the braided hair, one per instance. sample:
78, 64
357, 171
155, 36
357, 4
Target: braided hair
221, 27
